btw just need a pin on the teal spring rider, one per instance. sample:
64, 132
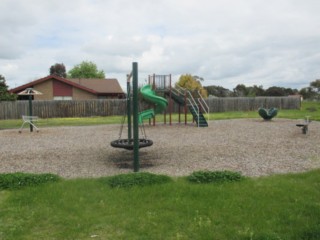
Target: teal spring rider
268, 114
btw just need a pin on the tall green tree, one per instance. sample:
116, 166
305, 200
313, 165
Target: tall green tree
218, 91
256, 91
280, 91
240, 91
192, 83
86, 69
316, 85
308, 93
59, 70
275, 91
5, 95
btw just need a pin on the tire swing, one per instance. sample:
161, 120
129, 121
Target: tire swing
129, 143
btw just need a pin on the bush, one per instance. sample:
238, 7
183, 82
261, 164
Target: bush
19, 180
216, 176
137, 179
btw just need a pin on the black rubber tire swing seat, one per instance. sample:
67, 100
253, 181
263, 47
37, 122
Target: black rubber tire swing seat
128, 144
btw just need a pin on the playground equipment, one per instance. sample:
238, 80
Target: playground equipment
304, 126
268, 114
184, 98
30, 92
134, 143
29, 120
159, 102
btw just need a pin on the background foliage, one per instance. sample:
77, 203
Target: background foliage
5, 95
59, 70
86, 69
192, 83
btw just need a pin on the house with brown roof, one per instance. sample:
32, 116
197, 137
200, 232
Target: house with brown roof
53, 87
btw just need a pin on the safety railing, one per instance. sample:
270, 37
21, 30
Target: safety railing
195, 102
204, 105
179, 91
194, 105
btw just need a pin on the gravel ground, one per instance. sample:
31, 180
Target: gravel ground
251, 146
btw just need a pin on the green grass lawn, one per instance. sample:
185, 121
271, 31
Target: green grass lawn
311, 109
275, 207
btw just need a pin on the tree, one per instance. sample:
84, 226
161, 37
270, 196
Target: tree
316, 85
86, 70
5, 95
218, 91
192, 83
308, 93
240, 90
313, 91
275, 91
256, 91
280, 91
59, 70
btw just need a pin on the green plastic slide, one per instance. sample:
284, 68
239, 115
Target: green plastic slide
149, 113
159, 102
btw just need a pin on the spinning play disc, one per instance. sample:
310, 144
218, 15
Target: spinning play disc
128, 144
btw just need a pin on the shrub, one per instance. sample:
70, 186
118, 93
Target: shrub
137, 179
216, 176
19, 180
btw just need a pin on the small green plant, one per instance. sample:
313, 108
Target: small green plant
215, 176
19, 180
137, 179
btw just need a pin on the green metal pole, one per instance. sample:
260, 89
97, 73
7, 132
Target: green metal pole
136, 164
30, 111
129, 110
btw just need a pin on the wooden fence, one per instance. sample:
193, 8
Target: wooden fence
109, 107
252, 103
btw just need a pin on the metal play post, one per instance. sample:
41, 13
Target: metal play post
30, 92
136, 164
129, 106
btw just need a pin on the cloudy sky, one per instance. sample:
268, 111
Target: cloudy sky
227, 42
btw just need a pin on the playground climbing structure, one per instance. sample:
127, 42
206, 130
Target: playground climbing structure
191, 102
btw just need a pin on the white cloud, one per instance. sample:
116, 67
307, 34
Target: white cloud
228, 42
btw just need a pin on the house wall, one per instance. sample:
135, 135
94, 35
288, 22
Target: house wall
61, 89
79, 94
48, 92
52, 88
46, 89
